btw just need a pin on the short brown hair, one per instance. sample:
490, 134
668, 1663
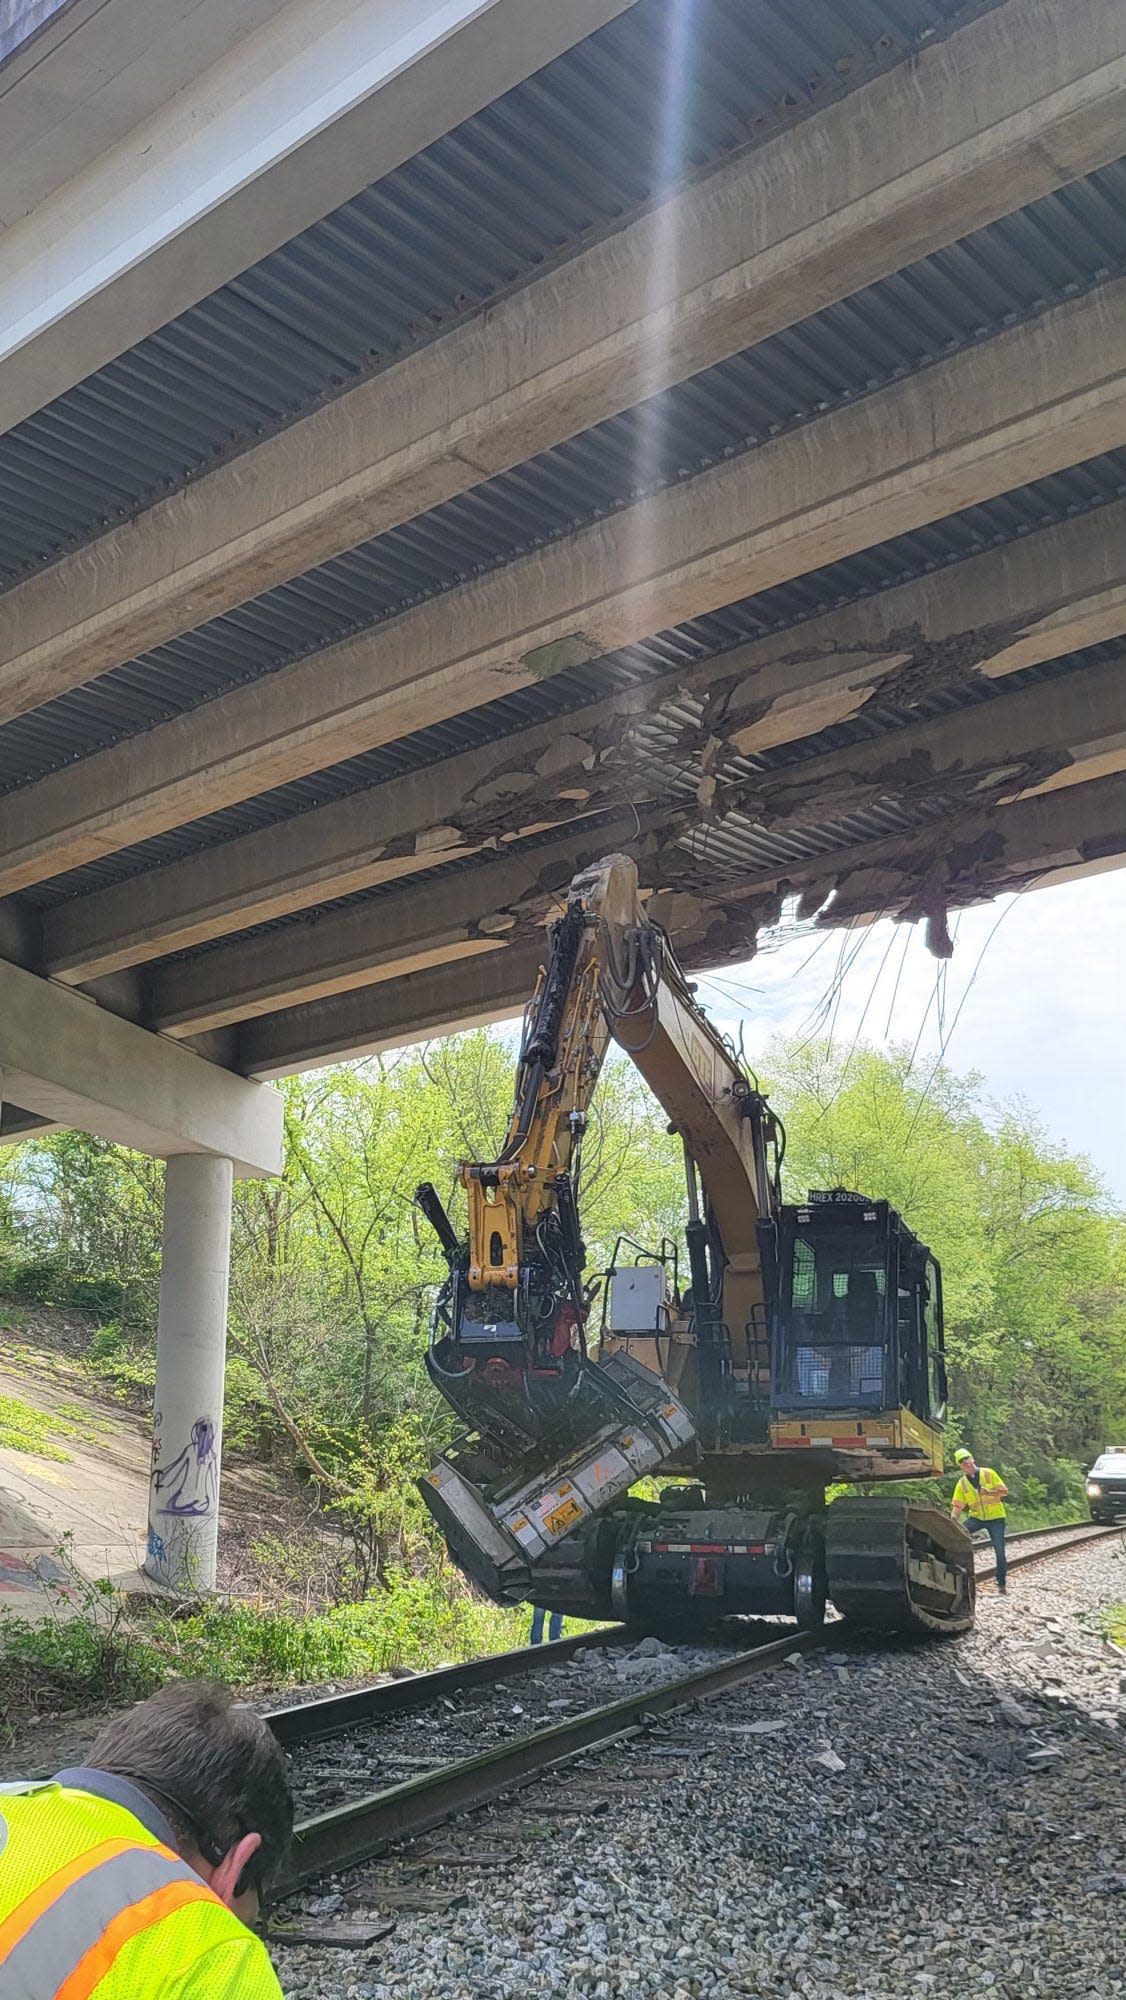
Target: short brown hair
211, 1763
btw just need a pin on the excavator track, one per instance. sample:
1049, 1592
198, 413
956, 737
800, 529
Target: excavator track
899, 1566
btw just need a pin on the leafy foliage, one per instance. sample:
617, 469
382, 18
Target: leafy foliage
97, 1645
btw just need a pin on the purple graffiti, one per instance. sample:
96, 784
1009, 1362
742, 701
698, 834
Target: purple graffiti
191, 1483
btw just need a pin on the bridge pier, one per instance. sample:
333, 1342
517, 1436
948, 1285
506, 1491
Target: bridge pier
183, 1524
67, 1062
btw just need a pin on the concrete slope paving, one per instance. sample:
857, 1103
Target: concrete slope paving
75, 1511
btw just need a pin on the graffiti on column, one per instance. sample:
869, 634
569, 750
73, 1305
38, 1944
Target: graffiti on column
188, 1488
185, 1497
177, 1557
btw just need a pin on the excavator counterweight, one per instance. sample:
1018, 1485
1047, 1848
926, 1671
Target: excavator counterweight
805, 1348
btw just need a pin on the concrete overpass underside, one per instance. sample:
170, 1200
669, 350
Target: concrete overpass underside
444, 440
696, 429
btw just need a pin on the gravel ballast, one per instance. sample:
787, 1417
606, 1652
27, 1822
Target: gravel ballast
397, 1748
916, 1819
393, 1750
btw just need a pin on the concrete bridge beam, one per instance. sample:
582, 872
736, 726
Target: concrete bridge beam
69, 1062
466, 916
226, 146
968, 858
1051, 593
1060, 732
1030, 402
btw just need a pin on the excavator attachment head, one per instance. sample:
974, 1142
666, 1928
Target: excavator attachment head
499, 1527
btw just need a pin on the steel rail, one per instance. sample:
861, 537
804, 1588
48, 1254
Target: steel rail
1080, 1536
335, 1714
1057, 1528
353, 1833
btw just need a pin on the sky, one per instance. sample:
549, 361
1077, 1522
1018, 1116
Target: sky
1034, 1001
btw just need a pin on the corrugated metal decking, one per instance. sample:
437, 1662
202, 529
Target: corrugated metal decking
1054, 250
558, 161
565, 159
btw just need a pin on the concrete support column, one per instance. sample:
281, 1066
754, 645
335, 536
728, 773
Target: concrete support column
191, 1351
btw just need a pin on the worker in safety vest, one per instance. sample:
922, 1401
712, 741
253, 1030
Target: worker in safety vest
136, 1875
980, 1497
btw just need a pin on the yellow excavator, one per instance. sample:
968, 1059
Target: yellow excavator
802, 1349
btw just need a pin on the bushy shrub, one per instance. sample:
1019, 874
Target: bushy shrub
107, 1342
249, 1424
130, 1370
35, 1281
95, 1295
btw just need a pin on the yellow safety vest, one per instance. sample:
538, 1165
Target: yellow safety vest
978, 1500
92, 1903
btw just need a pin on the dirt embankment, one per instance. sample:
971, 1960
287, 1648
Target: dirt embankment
74, 1474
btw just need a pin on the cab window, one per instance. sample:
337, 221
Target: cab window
936, 1363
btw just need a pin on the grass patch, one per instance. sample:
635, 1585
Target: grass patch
100, 1646
24, 1428
416, 1622
89, 1428
1114, 1624
38, 1432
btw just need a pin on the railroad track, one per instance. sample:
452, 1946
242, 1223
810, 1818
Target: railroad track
326, 1716
1053, 1541
335, 1714
358, 1830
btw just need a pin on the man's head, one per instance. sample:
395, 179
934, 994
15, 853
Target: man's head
965, 1462
217, 1772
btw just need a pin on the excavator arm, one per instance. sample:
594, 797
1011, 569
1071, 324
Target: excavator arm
732, 1157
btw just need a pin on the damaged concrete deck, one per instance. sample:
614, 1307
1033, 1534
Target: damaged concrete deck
750, 495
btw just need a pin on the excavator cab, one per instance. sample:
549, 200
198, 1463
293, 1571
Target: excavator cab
857, 1361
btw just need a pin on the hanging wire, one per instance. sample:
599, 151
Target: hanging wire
741, 996
818, 1017
818, 1014
826, 931
1032, 880
932, 997
907, 936
855, 1043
